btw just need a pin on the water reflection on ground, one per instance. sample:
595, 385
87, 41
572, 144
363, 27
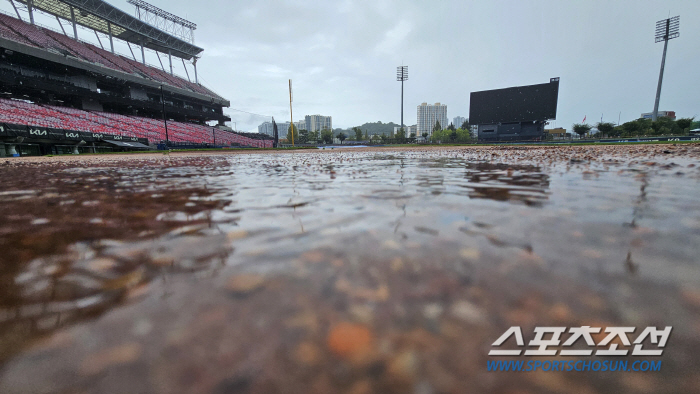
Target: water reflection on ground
353, 271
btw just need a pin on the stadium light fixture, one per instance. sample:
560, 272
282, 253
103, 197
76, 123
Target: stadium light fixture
161, 19
402, 75
666, 29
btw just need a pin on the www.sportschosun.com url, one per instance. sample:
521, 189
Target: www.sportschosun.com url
575, 366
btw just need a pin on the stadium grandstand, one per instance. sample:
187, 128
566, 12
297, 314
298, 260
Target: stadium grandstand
61, 94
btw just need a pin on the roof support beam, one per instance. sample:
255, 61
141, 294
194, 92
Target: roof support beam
186, 72
194, 62
132, 51
31, 12
111, 40
161, 62
61, 25
75, 25
170, 57
16, 11
98, 40
143, 55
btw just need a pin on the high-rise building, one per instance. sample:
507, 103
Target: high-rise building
458, 121
661, 114
266, 128
428, 115
318, 123
409, 130
282, 128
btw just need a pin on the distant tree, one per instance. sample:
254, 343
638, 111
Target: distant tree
437, 127
303, 136
327, 136
413, 135
451, 127
358, 133
366, 136
440, 135
605, 127
464, 135
684, 124
617, 131
465, 125
664, 126
342, 137
400, 135
425, 135
581, 129
313, 136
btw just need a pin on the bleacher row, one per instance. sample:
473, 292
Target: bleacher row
24, 33
29, 114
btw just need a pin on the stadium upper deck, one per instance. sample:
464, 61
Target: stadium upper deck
26, 45
100, 16
58, 89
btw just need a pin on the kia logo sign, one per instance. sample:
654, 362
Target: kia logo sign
37, 132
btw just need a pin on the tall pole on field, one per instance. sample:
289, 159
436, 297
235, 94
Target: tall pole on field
165, 119
666, 29
291, 116
402, 75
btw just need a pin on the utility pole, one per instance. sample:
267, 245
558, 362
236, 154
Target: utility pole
666, 29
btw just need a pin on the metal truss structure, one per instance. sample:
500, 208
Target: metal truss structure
102, 17
164, 20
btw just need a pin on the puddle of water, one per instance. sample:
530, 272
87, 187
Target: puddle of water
249, 272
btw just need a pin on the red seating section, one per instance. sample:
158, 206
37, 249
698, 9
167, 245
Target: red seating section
22, 32
20, 112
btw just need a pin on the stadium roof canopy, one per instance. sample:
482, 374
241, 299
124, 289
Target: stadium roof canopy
98, 15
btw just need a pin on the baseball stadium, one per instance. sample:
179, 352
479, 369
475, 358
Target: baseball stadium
61, 94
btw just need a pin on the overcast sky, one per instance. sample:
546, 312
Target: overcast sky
342, 55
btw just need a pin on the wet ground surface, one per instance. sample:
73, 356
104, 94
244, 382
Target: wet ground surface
373, 271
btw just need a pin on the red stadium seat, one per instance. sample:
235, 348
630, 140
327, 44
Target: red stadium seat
24, 113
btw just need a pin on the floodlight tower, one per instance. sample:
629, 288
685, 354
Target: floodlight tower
402, 75
666, 29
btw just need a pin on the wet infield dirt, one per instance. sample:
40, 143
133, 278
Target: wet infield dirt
386, 270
